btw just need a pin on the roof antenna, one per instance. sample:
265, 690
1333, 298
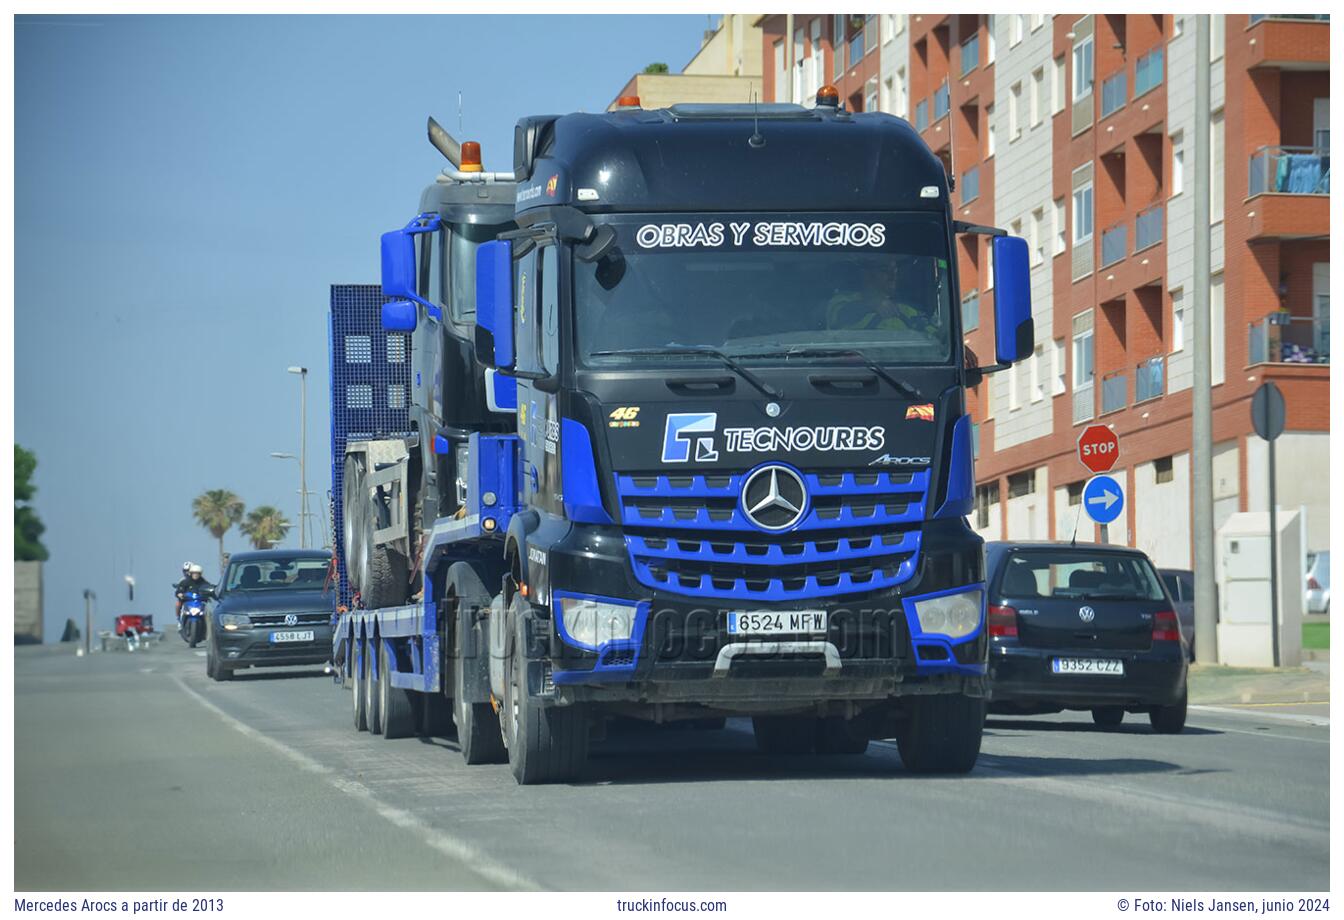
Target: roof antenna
756, 140
1073, 541
459, 113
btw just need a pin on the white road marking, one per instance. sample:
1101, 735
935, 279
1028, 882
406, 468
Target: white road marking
451, 846
1304, 718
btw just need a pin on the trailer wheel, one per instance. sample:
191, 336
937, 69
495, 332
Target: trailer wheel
840, 736
941, 733
357, 680
371, 710
547, 744
394, 703
478, 735
388, 579
436, 716
785, 734
354, 510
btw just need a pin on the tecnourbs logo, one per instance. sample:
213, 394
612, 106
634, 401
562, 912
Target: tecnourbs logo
1086, 614
924, 413
889, 460
551, 183
774, 497
682, 428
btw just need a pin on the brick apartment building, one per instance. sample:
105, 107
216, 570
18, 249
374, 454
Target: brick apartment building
1077, 133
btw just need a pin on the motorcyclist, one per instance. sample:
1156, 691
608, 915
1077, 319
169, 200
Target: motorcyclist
194, 580
177, 588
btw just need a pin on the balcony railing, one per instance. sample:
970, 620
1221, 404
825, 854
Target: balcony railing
1148, 227
1114, 244
970, 312
970, 54
1148, 72
1084, 403
942, 102
1282, 338
1114, 392
1113, 90
921, 114
1309, 17
1149, 378
970, 185
1290, 171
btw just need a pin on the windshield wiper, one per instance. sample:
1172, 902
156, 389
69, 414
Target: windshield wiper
815, 352
728, 362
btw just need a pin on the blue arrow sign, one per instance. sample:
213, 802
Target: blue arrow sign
1103, 499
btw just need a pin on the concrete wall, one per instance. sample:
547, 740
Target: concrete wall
895, 61
27, 602
1023, 180
1029, 515
1303, 474
1162, 513
733, 49
658, 91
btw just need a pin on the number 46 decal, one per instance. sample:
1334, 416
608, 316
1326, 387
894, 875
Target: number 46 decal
624, 417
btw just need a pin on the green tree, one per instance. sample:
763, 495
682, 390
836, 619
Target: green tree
656, 67
265, 526
217, 510
28, 528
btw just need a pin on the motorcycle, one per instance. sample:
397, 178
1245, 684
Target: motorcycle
191, 626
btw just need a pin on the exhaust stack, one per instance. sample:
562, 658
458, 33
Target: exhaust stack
445, 143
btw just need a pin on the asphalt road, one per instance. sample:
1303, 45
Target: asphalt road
136, 772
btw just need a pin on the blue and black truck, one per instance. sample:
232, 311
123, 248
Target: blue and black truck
685, 438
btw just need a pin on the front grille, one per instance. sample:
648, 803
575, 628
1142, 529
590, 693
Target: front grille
859, 533
320, 618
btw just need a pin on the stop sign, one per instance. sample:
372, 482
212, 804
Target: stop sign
1098, 448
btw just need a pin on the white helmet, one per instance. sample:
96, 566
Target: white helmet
195, 569
186, 568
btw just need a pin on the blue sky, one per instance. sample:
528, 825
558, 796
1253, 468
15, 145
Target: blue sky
186, 188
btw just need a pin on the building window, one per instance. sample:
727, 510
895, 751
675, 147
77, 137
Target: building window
1162, 470
1216, 168
817, 72
1217, 37
1015, 28
1057, 87
888, 85
870, 33
902, 102
942, 101
1082, 214
888, 27
970, 185
970, 312
1320, 125
1177, 26
1036, 236
975, 441
781, 73
1061, 237
1037, 388
870, 101
1082, 356
1177, 163
1177, 320
989, 39
986, 496
1022, 484
991, 131
1014, 112
1037, 20
856, 49
1014, 402
1037, 96
1216, 334
1082, 69
1148, 72
921, 114
970, 54
1058, 382
989, 265
1075, 490
798, 88
838, 46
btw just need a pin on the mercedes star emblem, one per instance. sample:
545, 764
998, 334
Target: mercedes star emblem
291, 619
774, 497
1086, 614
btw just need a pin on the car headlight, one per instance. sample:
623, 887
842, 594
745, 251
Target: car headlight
952, 615
233, 621
591, 623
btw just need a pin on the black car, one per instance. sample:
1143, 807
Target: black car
275, 608
1083, 626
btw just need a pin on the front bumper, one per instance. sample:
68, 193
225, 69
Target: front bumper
254, 648
1023, 675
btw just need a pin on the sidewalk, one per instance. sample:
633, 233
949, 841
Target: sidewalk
1222, 685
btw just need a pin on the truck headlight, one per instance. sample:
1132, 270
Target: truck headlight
232, 621
590, 623
952, 615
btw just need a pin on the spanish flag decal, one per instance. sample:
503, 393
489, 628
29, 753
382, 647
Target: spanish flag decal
924, 413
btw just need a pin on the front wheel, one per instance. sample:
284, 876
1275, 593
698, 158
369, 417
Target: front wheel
478, 733
547, 744
357, 678
941, 733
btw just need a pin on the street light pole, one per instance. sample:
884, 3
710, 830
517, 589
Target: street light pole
303, 454
303, 496
88, 621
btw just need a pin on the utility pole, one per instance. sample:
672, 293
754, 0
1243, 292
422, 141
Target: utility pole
1201, 448
303, 454
88, 621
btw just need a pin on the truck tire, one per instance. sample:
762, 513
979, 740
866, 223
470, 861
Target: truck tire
1169, 720
394, 704
478, 735
357, 679
840, 736
354, 502
214, 668
388, 575
941, 733
546, 744
371, 696
436, 716
785, 734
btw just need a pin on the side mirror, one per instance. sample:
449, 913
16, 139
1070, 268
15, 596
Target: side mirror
399, 265
494, 304
400, 316
1014, 331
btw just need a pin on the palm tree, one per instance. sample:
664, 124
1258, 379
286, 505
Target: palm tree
265, 526
217, 510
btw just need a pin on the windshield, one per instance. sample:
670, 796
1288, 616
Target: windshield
462, 266
763, 285
280, 573
1079, 574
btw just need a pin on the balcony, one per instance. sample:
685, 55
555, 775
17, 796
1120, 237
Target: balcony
1114, 392
942, 102
1282, 338
1113, 93
970, 54
1289, 171
1148, 72
1289, 17
921, 115
1291, 42
1114, 244
1148, 227
970, 185
1149, 379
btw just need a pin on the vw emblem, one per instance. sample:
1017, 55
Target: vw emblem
1086, 614
291, 619
774, 497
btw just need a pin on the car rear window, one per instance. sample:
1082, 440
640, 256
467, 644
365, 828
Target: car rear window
1079, 574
